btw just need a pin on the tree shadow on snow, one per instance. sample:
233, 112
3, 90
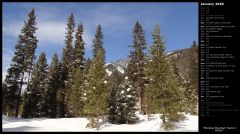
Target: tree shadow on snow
19, 129
11, 120
180, 125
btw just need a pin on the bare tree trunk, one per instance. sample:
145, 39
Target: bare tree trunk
140, 101
29, 76
97, 116
148, 114
139, 96
19, 96
98, 125
164, 121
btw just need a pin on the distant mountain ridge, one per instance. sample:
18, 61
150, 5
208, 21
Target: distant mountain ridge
178, 57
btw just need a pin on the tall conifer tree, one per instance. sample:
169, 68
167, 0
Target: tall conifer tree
66, 66
137, 63
53, 87
97, 93
34, 101
75, 93
79, 49
98, 42
22, 63
162, 86
191, 90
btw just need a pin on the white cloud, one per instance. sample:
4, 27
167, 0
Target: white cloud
48, 32
87, 37
51, 32
12, 29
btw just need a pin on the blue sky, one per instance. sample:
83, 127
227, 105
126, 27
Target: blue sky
178, 23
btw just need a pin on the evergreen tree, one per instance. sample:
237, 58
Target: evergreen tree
97, 93
162, 83
61, 108
36, 90
75, 94
122, 100
87, 66
127, 102
176, 70
52, 88
86, 80
67, 58
114, 81
79, 50
137, 61
148, 101
191, 90
22, 63
86, 71
75, 91
98, 42
113, 105
180, 83
66, 65
30, 41
9, 95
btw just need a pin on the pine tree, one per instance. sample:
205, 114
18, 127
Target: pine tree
61, 108
113, 105
86, 81
191, 90
86, 71
66, 65
31, 42
148, 101
97, 93
79, 50
176, 70
98, 42
122, 100
114, 81
75, 93
36, 90
127, 102
87, 66
22, 63
53, 83
162, 83
137, 63
67, 58
9, 92
9, 96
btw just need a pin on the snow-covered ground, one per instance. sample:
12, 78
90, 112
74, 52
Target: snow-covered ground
79, 124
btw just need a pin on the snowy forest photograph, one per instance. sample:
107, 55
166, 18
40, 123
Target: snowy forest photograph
100, 67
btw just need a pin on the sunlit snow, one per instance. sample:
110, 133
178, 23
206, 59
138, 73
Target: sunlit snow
190, 124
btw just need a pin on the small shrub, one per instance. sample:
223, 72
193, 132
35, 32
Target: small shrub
176, 117
168, 126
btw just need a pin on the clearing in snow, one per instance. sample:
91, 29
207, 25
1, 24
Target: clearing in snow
190, 124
